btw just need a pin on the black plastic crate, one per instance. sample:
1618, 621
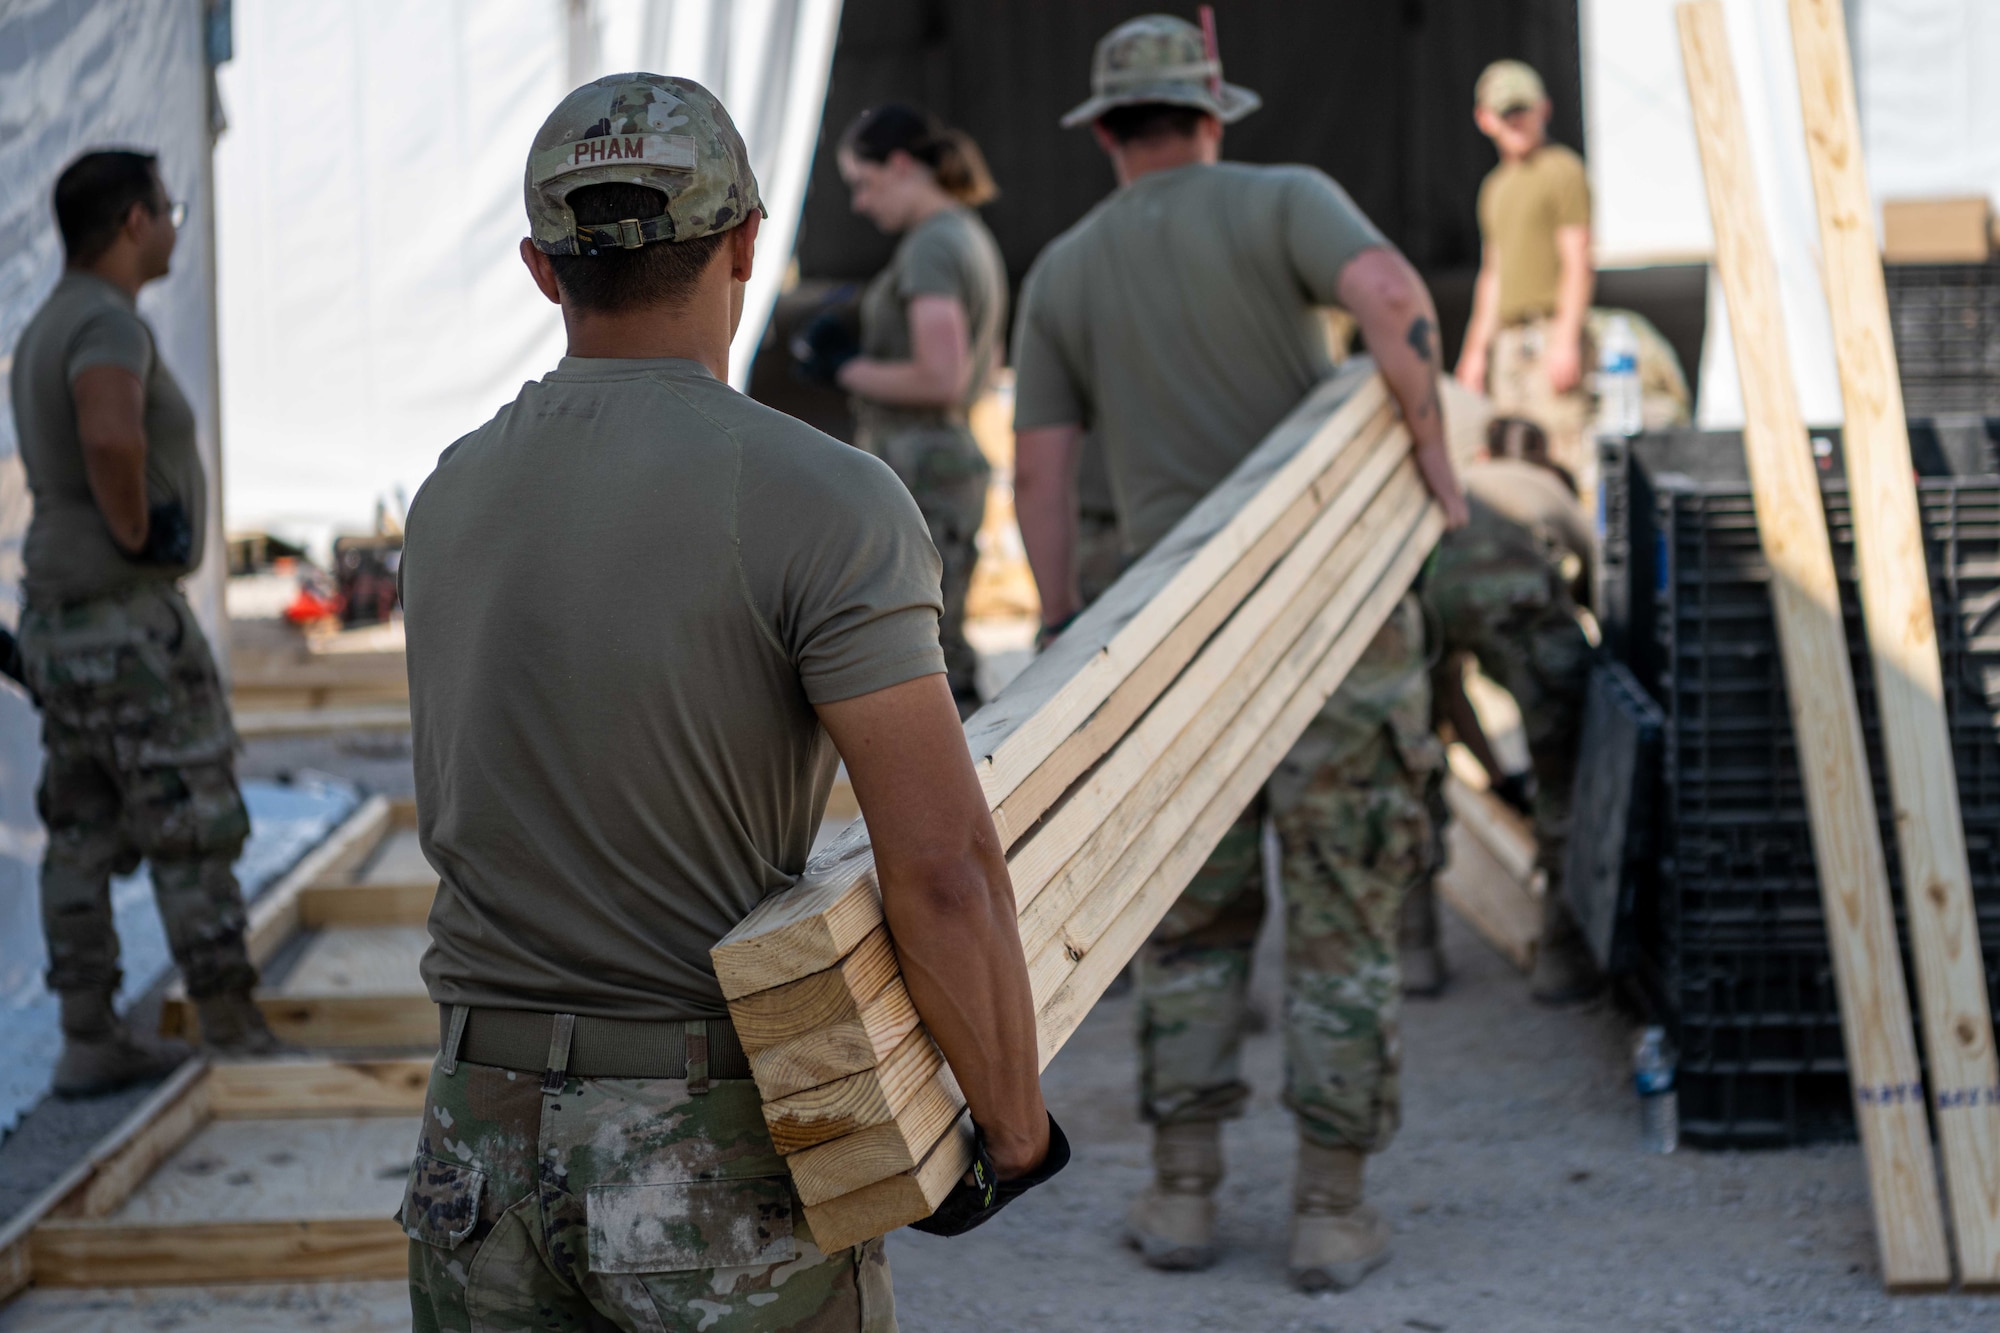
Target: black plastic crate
1733, 940
1945, 319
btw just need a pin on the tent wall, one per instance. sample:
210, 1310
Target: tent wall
74, 75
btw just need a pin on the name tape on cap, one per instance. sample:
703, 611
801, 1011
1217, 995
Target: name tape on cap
674, 152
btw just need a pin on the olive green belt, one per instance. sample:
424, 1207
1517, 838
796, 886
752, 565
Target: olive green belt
697, 1049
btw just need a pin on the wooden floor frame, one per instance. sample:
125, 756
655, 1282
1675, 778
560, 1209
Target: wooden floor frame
66, 1238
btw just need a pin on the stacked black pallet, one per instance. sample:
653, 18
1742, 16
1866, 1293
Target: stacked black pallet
1735, 940
1946, 322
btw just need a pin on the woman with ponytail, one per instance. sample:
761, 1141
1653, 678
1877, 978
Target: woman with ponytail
931, 330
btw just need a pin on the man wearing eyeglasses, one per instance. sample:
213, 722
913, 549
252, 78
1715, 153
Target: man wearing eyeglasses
134, 721
1526, 344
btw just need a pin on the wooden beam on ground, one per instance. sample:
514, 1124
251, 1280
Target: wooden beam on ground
97, 1254
391, 904
1791, 524
1902, 641
270, 1089
258, 723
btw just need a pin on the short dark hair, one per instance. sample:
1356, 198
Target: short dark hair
1151, 120
95, 194
658, 273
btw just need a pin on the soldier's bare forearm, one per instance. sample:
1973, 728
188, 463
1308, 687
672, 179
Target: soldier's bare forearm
1399, 324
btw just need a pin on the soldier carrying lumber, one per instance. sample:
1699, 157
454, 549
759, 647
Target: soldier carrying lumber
1504, 592
624, 735
134, 719
1177, 323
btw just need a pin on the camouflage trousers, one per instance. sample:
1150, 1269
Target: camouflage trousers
946, 474
1100, 553
1354, 830
139, 766
633, 1204
1520, 388
1521, 627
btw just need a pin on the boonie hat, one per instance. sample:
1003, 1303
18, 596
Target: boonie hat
666, 134
1508, 85
1160, 58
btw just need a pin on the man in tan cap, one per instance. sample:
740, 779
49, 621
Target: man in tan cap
1177, 324
1527, 343
645, 616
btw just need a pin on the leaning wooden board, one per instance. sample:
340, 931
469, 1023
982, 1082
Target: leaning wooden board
231, 1172
1247, 624
1902, 642
1791, 524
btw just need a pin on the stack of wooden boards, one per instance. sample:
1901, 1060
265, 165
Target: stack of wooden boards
1902, 638
1112, 766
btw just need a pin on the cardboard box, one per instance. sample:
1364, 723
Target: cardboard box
1937, 231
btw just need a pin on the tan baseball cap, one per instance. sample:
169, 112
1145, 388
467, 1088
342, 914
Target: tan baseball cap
1508, 85
670, 135
1159, 58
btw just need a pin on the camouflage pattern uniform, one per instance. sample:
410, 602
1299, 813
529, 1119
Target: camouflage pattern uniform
946, 475
139, 749
638, 1204
557, 1202
1352, 820
1501, 591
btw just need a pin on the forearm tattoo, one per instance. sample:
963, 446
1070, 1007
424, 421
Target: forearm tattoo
1422, 339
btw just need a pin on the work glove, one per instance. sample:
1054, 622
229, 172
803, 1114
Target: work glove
169, 537
971, 1203
822, 347
1518, 791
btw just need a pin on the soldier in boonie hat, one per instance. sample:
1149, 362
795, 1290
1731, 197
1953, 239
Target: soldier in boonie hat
667, 134
1160, 59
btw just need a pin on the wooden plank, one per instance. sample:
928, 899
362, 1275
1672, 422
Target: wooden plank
813, 925
336, 1021
1488, 897
1506, 836
16, 1253
120, 1173
257, 723
1902, 641
1791, 523
1086, 959
860, 1101
1115, 717
273, 918
821, 1000
839, 1049
843, 1165
360, 960
91, 1254
877, 1209
385, 904
269, 1089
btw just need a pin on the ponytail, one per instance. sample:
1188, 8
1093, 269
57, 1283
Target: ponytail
955, 161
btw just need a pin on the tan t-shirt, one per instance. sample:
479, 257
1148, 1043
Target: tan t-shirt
1521, 207
69, 553
1179, 322
624, 595
949, 253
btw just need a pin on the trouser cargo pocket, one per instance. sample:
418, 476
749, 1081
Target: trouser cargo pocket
683, 1225
441, 1202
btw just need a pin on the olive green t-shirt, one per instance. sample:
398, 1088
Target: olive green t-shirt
1179, 322
949, 253
69, 554
623, 596
1521, 207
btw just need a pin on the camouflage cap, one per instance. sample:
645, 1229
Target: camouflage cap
1160, 58
670, 135
1508, 85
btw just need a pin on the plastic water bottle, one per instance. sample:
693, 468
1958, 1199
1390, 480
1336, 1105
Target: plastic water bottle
1659, 1104
1618, 398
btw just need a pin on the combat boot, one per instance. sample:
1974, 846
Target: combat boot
1336, 1238
1420, 954
1172, 1225
232, 1024
1565, 972
100, 1055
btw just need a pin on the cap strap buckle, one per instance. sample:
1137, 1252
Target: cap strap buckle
629, 235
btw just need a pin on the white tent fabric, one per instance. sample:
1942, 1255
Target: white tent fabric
1930, 106
1646, 175
74, 75
374, 305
